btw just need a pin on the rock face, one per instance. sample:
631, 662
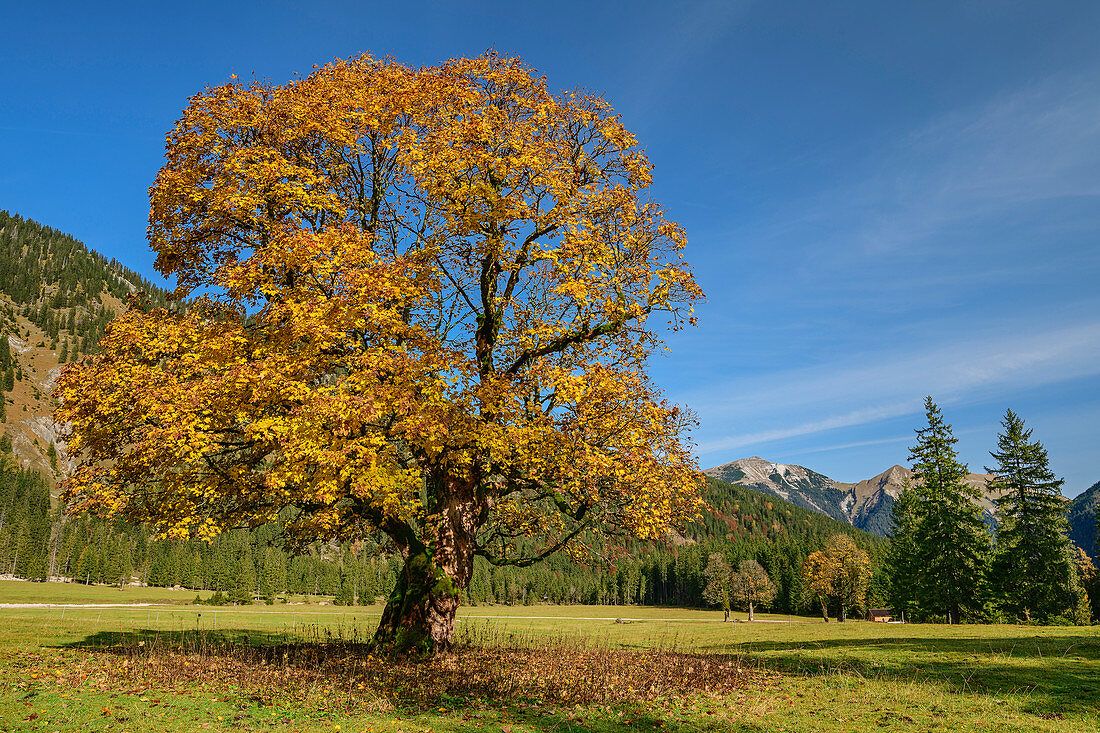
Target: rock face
865, 504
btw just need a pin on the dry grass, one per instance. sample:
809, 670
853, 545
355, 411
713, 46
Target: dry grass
345, 675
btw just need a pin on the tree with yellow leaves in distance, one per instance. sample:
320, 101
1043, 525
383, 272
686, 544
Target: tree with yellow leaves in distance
421, 303
840, 573
746, 586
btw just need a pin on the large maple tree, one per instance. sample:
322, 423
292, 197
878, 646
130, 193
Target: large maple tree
418, 302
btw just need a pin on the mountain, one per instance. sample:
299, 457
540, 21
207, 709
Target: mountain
865, 504
1082, 520
56, 299
796, 484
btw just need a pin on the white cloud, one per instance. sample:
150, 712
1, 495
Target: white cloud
872, 387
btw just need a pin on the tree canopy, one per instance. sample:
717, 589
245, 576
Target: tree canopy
421, 302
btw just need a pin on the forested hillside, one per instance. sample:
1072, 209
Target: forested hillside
56, 299
1082, 520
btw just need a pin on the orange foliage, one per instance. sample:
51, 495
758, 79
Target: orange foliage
422, 302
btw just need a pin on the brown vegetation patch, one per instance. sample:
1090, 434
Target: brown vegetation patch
348, 676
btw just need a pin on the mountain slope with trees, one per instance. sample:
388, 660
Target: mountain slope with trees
868, 504
56, 299
865, 504
1082, 518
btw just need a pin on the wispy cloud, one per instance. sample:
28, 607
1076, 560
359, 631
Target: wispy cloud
950, 229
871, 387
1036, 144
686, 32
855, 417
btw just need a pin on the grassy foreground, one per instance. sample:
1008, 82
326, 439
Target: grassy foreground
173, 667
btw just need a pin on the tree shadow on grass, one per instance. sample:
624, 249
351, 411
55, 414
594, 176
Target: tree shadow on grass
537, 684
1059, 674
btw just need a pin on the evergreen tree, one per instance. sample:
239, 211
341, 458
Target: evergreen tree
1032, 574
345, 596
901, 560
951, 544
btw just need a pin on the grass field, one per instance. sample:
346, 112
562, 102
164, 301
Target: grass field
175, 667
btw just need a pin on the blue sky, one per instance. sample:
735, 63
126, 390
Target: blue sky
883, 200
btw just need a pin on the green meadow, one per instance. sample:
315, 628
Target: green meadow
302, 666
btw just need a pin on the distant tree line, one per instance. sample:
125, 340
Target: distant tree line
776, 556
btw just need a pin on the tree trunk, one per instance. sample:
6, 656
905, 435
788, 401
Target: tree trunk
843, 614
727, 612
824, 610
420, 613
750, 611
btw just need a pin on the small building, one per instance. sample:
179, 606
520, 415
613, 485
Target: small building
882, 615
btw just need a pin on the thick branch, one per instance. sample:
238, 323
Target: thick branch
579, 335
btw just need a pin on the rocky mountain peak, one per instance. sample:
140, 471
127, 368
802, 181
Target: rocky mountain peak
865, 504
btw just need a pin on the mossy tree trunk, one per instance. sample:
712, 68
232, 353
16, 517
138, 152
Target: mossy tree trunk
420, 612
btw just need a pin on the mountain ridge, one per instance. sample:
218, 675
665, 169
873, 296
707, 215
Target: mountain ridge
868, 504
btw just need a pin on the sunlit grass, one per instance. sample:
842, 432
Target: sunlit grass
531, 668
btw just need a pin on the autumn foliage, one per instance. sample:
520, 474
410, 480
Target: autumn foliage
840, 573
418, 302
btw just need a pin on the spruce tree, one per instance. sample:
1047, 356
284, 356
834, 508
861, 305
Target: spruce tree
951, 544
1032, 574
901, 559
345, 594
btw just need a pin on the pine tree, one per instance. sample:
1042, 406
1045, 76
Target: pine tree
901, 560
1032, 574
345, 595
951, 544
